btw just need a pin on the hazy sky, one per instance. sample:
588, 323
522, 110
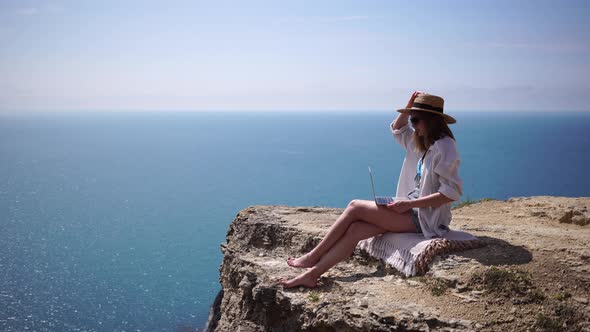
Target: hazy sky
293, 55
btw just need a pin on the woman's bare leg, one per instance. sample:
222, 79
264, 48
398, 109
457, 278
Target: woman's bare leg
334, 233
355, 232
357, 210
343, 248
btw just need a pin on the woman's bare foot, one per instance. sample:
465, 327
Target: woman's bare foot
301, 262
305, 279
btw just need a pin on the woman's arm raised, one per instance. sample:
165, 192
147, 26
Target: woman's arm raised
402, 119
401, 130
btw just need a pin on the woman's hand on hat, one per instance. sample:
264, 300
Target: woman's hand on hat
412, 98
400, 206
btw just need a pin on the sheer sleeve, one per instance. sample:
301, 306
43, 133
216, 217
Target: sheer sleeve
446, 163
404, 136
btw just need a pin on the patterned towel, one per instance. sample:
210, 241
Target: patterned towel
410, 253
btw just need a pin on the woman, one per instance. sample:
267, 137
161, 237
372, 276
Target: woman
429, 179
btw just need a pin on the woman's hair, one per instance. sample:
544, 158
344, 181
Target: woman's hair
436, 128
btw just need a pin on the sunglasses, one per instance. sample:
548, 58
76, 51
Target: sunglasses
415, 119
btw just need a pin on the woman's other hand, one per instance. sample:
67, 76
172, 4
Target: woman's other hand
400, 206
412, 98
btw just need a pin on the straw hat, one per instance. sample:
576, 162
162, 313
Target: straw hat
426, 102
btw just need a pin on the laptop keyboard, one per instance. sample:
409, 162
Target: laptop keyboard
384, 199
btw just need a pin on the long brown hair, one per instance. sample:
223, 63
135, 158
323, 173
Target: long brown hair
436, 128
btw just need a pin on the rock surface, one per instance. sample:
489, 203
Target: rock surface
533, 274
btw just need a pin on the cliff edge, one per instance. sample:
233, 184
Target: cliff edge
533, 274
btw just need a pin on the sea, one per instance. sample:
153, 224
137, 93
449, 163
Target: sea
113, 220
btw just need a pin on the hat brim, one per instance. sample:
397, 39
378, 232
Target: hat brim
448, 119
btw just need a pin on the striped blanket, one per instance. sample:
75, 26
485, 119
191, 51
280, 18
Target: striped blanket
410, 253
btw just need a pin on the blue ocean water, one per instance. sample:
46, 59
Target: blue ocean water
112, 221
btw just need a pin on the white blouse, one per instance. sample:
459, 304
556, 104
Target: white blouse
440, 172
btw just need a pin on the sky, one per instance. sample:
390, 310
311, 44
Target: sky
293, 55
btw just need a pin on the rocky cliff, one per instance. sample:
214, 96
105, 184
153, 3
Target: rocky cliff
533, 274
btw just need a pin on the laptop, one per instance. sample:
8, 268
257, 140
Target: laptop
381, 200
